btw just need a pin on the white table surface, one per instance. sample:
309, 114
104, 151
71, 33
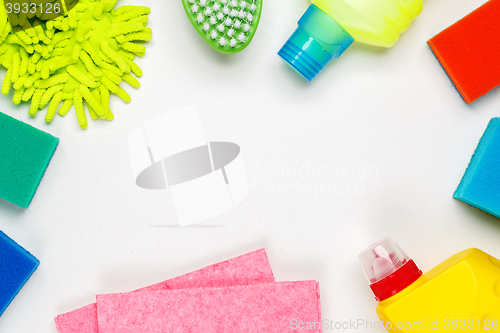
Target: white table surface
387, 123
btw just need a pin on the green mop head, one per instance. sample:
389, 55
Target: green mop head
78, 57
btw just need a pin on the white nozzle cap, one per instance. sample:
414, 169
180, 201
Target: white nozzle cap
382, 259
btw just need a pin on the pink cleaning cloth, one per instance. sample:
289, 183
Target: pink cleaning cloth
270, 308
251, 268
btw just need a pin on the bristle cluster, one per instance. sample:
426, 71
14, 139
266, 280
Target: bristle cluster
229, 22
76, 59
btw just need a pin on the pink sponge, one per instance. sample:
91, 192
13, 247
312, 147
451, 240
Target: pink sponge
251, 268
271, 307
468, 51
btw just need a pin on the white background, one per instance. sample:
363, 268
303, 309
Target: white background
392, 112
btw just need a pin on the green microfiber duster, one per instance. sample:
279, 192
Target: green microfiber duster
79, 57
25, 153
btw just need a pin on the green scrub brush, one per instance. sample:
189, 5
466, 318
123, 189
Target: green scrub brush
226, 25
78, 58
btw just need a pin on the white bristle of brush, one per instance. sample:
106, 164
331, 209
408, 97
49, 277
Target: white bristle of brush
222, 19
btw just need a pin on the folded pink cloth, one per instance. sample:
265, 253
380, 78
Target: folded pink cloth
270, 308
251, 268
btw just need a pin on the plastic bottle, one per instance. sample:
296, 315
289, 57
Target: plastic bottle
329, 27
460, 294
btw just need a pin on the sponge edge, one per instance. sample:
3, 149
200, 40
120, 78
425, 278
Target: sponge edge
250, 268
25, 153
468, 51
16, 267
480, 186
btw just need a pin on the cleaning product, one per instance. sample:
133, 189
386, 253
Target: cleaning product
82, 56
468, 51
227, 25
462, 293
16, 267
25, 153
480, 185
329, 27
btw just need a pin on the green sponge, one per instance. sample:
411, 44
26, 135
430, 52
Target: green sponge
25, 153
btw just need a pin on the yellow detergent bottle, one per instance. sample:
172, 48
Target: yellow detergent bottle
329, 27
460, 294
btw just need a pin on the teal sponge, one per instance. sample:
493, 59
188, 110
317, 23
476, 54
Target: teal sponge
25, 153
480, 186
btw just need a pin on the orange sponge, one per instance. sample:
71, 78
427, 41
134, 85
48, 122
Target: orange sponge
469, 50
